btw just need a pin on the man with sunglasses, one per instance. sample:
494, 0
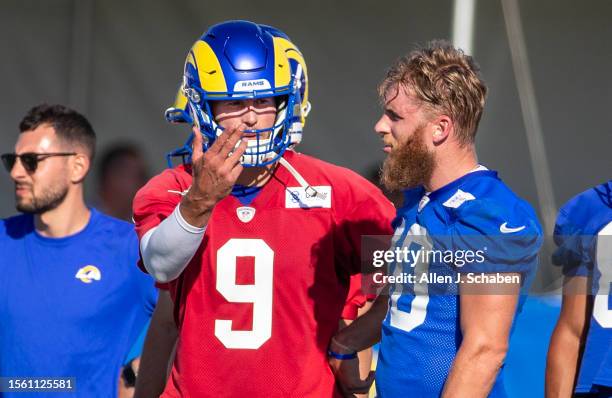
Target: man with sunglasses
71, 301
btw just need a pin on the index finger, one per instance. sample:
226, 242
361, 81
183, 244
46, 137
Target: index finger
225, 136
197, 145
232, 140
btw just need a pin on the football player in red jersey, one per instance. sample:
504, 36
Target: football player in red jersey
255, 242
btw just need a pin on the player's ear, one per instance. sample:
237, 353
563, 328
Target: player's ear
79, 167
442, 128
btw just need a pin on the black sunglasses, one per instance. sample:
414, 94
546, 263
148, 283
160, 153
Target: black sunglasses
29, 160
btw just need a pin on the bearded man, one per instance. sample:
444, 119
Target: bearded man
442, 338
71, 301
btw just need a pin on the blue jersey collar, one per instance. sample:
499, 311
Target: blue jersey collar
93, 219
451, 187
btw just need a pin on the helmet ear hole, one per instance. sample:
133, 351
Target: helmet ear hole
281, 102
209, 105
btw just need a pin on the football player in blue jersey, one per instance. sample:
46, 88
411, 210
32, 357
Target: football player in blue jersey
72, 303
459, 223
580, 352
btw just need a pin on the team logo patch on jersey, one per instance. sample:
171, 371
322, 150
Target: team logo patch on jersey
311, 197
88, 273
459, 198
245, 213
423, 202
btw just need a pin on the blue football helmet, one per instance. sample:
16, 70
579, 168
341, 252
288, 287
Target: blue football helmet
244, 60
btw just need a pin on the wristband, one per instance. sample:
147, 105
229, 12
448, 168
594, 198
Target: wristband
336, 355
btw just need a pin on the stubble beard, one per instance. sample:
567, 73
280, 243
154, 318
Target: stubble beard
48, 200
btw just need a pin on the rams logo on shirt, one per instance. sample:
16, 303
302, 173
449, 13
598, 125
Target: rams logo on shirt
88, 273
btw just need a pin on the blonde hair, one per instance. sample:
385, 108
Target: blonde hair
445, 81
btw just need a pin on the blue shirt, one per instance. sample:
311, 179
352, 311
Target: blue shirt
583, 234
473, 226
72, 306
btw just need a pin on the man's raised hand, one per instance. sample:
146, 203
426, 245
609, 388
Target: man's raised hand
214, 173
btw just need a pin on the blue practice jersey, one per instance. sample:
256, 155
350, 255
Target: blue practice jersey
73, 306
583, 234
473, 227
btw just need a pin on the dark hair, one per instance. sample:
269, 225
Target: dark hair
70, 126
115, 153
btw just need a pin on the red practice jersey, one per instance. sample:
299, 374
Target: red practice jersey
259, 302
